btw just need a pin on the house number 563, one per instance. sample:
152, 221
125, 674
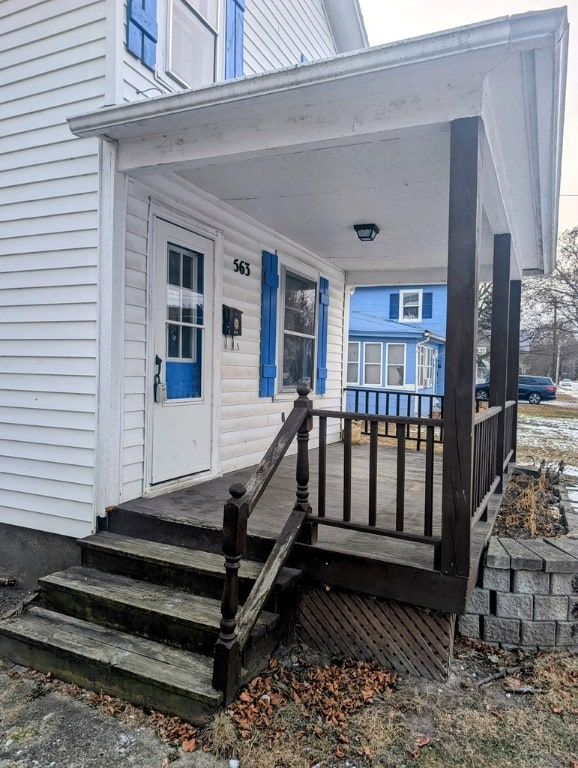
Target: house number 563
242, 267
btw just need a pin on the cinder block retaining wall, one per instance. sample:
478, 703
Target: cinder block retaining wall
529, 595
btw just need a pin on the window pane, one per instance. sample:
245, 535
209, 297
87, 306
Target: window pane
410, 298
300, 295
373, 375
187, 347
173, 339
174, 267
373, 353
395, 375
352, 373
353, 352
192, 54
395, 353
188, 271
297, 360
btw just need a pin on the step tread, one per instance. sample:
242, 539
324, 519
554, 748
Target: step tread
146, 597
198, 561
182, 672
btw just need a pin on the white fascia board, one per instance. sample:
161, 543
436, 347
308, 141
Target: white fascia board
346, 22
160, 114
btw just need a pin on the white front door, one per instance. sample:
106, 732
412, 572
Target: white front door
181, 354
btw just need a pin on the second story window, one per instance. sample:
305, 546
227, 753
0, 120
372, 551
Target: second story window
192, 41
410, 305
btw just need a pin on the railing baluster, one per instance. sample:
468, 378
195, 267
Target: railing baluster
322, 483
400, 487
347, 471
372, 516
429, 476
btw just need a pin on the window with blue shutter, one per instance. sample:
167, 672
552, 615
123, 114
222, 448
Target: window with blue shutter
142, 30
322, 336
234, 39
427, 305
270, 286
394, 306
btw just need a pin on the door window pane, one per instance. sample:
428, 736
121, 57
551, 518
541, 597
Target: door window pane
184, 327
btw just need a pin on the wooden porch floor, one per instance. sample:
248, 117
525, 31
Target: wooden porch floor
202, 505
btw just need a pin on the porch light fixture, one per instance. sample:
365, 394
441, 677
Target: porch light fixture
366, 232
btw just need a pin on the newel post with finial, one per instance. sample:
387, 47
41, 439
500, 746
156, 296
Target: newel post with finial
309, 532
227, 660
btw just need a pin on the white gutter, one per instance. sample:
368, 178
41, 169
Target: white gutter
515, 33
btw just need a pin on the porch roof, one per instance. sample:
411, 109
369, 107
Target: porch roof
311, 150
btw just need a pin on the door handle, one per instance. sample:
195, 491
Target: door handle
160, 388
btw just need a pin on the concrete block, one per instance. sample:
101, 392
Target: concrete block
567, 634
496, 578
572, 609
564, 584
550, 608
469, 626
496, 555
532, 582
479, 602
496, 630
521, 557
513, 606
539, 633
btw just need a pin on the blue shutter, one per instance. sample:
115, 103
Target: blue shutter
426, 306
270, 285
394, 306
322, 335
234, 39
142, 31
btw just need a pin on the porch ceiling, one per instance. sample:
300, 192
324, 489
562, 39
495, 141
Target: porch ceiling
310, 151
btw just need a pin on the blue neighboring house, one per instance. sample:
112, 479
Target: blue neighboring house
396, 343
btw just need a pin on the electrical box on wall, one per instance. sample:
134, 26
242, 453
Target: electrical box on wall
232, 321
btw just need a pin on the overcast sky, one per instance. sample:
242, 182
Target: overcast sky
386, 21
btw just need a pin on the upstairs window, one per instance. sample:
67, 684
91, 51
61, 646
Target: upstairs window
410, 305
192, 41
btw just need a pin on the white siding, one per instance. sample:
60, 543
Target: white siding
276, 35
246, 423
51, 67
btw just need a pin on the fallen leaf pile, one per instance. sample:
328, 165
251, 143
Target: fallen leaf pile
324, 696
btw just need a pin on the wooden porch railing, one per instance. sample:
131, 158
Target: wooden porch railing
397, 403
236, 624
236, 621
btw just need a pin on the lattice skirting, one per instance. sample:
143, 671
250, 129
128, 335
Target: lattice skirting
411, 640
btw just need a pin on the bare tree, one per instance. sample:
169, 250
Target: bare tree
550, 308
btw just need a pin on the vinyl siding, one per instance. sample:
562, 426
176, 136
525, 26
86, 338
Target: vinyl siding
277, 38
51, 66
246, 423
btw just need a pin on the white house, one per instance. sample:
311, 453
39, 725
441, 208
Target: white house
83, 250
145, 195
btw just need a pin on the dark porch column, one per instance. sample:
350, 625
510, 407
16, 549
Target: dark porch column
499, 340
514, 353
463, 236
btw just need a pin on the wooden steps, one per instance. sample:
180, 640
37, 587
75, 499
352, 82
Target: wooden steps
139, 619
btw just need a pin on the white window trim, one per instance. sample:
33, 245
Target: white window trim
417, 319
300, 271
375, 344
427, 369
396, 344
352, 362
162, 71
